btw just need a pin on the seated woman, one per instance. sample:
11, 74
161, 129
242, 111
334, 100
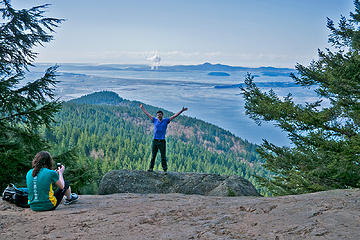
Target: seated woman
40, 181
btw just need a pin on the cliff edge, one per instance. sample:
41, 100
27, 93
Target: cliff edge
323, 215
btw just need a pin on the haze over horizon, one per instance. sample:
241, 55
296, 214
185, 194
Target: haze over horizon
276, 33
148, 64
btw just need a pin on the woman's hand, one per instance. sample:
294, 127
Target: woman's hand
61, 170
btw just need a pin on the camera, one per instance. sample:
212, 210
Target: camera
58, 165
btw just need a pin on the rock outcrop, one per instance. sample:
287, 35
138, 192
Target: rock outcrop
126, 181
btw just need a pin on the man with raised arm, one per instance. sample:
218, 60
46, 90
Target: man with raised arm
160, 126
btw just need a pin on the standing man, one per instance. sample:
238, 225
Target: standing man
160, 126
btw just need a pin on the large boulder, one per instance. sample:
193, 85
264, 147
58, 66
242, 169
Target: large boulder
127, 181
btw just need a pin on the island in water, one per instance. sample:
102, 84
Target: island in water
220, 74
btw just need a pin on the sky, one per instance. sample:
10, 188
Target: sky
252, 33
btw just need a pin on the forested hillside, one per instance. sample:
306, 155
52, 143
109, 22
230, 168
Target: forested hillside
109, 132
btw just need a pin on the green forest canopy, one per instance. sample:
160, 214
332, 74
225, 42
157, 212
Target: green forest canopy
109, 133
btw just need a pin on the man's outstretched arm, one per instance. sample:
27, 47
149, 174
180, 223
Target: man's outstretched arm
147, 114
177, 114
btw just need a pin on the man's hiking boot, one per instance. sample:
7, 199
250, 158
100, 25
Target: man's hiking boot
74, 198
165, 172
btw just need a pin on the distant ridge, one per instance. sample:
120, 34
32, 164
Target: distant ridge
200, 67
102, 97
175, 68
219, 67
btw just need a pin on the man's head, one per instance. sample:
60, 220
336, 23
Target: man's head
159, 115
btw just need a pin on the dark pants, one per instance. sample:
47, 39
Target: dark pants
60, 193
159, 144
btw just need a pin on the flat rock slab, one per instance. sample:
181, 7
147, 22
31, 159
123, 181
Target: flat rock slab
331, 215
127, 181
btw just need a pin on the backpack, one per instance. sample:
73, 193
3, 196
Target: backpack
18, 196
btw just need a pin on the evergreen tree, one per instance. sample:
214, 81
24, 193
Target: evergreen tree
23, 107
325, 133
